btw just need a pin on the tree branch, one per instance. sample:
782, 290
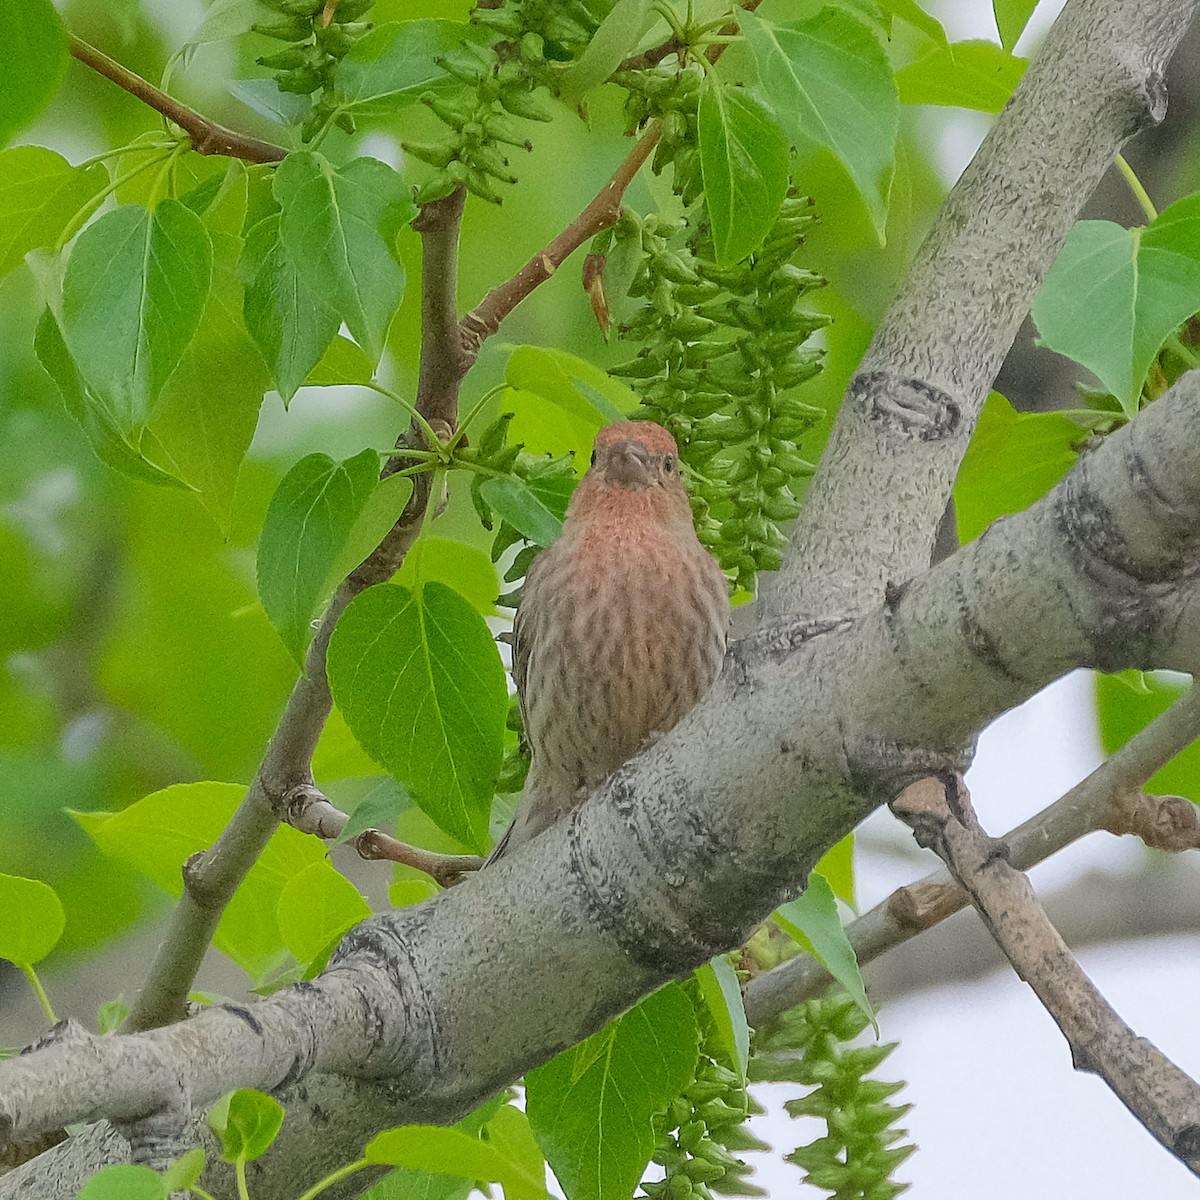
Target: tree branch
1161, 1096
1112, 788
207, 137
884, 481
603, 211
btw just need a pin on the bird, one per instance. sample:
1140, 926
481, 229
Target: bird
621, 628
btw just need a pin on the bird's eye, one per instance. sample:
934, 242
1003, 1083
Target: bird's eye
669, 463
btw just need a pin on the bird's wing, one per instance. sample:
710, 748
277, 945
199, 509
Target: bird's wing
524, 638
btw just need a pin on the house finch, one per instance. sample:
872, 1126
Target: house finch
621, 627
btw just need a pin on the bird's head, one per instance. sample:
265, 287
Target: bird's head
635, 455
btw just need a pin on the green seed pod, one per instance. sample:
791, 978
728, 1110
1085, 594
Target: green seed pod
304, 8
533, 48
480, 185
503, 20
291, 29
436, 154
500, 127
350, 10
522, 103
642, 367
449, 113
301, 81
291, 58
437, 188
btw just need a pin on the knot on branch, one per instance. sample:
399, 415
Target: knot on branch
1170, 823
912, 408
306, 808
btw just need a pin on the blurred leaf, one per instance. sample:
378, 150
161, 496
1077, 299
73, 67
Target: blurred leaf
1011, 18
39, 194
404, 892
383, 509
316, 907
344, 362
1122, 712
246, 1122
31, 919
123, 1181
394, 63
452, 1152
292, 323
837, 868
210, 405
33, 61
133, 294
610, 45
726, 1036
1013, 459
466, 569
812, 921
159, 833
592, 1107
184, 1172
829, 82
339, 226
744, 160
1115, 295
978, 75
231, 18
378, 808
912, 13
310, 517
515, 501
111, 1015
420, 682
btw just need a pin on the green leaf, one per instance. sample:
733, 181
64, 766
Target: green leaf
592, 1108
159, 833
291, 323
209, 408
1011, 18
1013, 459
830, 83
316, 907
402, 1184
111, 1015
31, 919
231, 18
184, 1172
382, 510
378, 809
812, 921
452, 1152
511, 1135
1122, 712
344, 362
246, 1122
39, 194
419, 680
723, 1019
339, 225
110, 446
394, 63
33, 61
123, 1181
466, 569
977, 74
611, 44
744, 161
837, 866
308, 521
133, 294
1115, 295
515, 501
411, 891
912, 13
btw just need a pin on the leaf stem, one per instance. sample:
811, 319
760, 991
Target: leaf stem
242, 1186
85, 214
39, 991
334, 1177
1137, 188
430, 437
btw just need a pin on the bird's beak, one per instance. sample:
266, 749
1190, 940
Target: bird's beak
627, 464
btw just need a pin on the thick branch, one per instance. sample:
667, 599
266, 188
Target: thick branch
207, 137
881, 489
1161, 1096
1114, 787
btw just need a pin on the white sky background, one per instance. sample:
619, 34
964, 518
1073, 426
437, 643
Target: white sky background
999, 1113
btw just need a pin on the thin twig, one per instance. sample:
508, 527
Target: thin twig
604, 211
1093, 804
207, 137
445, 869
1162, 1097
